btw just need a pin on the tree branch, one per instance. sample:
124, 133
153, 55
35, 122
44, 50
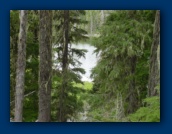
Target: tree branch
24, 97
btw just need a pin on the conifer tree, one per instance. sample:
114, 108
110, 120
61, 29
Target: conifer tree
68, 32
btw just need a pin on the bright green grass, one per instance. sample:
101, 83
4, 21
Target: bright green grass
87, 85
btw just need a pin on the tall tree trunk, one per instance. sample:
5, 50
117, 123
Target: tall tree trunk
102, 16
132, 98
45, 65
154, 75
91, 22
21, 64
62, 115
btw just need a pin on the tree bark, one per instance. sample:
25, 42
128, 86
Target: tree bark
45, 65
154, 74
132, 98
102, 16
21, 65
62, 115
91, 22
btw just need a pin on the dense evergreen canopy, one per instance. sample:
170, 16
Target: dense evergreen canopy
126, 78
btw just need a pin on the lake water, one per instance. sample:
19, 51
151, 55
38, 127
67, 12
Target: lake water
89, 61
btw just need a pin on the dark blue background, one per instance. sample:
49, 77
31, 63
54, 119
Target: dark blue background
135, 128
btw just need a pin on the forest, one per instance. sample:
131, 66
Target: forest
84, 66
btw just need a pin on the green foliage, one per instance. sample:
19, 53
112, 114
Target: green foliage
14, 30
117, 79
148, 113
86, 85
94, 20
32, 68
30, 110
71, 101
73, 98
124, 49
30, 113
102, 109
76, 33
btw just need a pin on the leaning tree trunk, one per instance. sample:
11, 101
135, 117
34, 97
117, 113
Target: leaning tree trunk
21, 64
62, 114
45, 65
154, 74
